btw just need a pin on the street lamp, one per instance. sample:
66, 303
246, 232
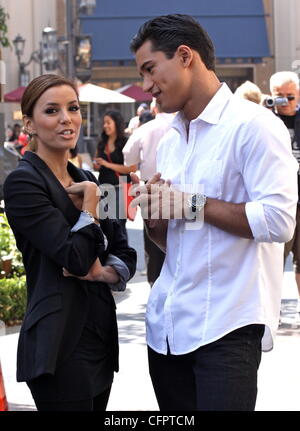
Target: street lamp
47, 55
24, 77
49, 48
87, 7
19, 44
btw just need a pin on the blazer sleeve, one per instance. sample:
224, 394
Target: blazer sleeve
33, 215
118, 243
119, 247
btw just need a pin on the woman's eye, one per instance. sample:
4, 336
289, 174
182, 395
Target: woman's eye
51, 110
75, 108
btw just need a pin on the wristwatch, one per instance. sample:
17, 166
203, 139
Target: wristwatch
196, 202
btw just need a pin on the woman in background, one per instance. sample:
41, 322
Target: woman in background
109, 159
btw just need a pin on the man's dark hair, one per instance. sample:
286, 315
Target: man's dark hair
167, 32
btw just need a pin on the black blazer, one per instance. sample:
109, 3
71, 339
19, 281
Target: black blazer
41, 215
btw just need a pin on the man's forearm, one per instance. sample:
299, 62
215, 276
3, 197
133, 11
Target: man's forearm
228, 216
157, 232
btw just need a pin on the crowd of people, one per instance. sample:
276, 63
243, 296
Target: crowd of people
216, 179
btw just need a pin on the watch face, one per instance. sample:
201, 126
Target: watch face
198, 202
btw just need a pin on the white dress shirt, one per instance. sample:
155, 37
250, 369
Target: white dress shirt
142, 144
213, 282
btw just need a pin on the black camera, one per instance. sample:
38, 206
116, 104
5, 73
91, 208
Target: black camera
270, 102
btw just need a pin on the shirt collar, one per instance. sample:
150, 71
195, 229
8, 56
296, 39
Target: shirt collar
212, 112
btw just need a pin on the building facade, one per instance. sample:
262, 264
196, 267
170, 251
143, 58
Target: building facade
253, 38
242, 32
27, 18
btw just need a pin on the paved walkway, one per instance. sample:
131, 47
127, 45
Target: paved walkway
279, 373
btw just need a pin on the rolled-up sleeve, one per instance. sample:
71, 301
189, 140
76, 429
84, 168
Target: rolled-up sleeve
122, 271
270, 172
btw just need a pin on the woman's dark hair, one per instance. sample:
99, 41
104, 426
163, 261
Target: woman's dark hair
120, 127
38, 86
168, 32
74, 151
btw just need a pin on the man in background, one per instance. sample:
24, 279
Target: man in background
286, 84
141, 149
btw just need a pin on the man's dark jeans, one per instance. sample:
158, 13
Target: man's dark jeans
219, 376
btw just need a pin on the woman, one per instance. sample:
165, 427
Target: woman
68, 344
110, 162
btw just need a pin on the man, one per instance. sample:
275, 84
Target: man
216, 303
141, 148
135, 121
286, 84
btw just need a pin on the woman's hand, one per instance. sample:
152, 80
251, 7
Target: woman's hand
96, 165
90, 194
97, 272
104, 162
82, 188
101, 162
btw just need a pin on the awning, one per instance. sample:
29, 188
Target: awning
96, 94
15, 95
136, 92
238, 28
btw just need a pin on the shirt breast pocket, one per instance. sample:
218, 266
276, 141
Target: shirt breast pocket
207, 177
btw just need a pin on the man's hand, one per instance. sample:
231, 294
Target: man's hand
158, 199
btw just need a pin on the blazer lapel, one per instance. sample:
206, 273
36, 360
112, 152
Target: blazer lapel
57, 193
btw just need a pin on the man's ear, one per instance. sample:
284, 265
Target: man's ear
185, 54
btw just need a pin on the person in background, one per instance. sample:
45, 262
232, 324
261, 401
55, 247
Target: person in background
145, 117
8, 133
135, 121
109, 160
286, 84
15, 133
250, 91
73, 257
221, 206
140, 149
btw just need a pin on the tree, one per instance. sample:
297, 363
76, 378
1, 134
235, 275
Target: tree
4, 41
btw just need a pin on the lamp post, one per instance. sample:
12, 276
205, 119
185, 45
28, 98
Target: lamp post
19, 44
46, 56
49, 48
77, 48
86, 7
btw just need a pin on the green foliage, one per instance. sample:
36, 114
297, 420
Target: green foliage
7, 240
12, 278
8, 250
13, 298
4, 41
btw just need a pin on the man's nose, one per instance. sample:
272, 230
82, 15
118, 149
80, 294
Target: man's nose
147, 84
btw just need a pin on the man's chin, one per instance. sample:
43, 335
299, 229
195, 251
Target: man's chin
287, 112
